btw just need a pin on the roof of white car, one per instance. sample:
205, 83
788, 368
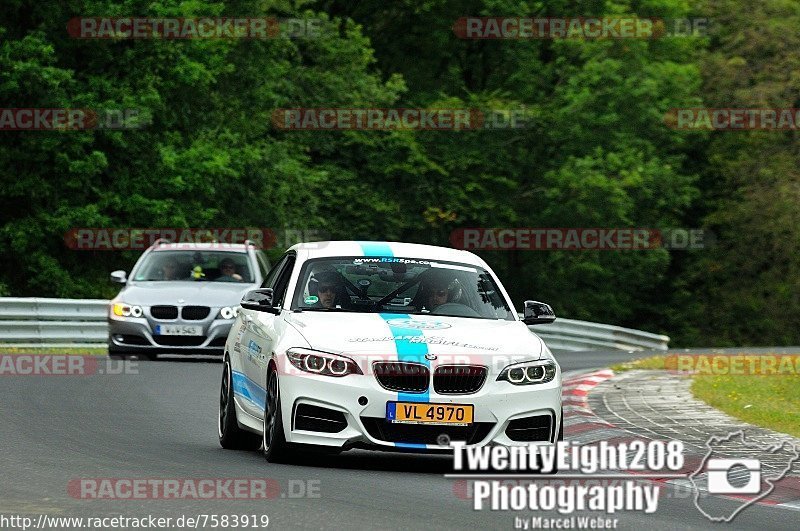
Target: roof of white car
386, 249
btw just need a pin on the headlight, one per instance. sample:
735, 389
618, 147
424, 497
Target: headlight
229, 312
324, 363
529, 372
126, 310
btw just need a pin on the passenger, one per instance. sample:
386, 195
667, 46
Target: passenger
227, 269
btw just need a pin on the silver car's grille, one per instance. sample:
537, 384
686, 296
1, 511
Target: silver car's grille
164, 312
195, 313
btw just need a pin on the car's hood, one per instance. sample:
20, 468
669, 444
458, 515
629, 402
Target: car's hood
194, 293
392, 334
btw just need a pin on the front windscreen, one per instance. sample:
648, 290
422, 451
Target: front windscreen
214, 266
399, 285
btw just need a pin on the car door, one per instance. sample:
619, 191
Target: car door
252, 355
263, 329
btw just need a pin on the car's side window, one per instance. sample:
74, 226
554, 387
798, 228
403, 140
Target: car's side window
269, 281
283, 281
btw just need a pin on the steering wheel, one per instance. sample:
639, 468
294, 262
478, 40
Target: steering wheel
455, 309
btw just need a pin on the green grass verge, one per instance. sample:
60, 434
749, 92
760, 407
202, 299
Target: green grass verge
770, 401
653, 363
77, 351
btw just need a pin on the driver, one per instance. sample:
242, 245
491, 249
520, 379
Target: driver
438, 294
329, 286
169, 269
434, 290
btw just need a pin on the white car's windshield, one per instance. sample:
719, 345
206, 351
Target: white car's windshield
215, 266
399, 285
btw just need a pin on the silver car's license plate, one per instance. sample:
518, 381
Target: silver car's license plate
178, 330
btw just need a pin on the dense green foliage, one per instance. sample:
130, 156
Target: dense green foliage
597, 152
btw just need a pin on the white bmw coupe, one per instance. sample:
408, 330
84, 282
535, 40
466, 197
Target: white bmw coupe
385, 345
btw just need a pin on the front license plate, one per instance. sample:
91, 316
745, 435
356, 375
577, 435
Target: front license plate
417, 413
178, 330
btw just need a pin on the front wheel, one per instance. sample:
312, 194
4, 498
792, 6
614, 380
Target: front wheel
274, 445
231, 436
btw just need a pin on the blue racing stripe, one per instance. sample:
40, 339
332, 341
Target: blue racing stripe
249, 390
411, 445
408, 351
376, 249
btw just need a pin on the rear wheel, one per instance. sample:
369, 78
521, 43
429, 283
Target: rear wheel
231, 436
274, 445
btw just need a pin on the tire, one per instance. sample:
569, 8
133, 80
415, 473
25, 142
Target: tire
231, 436
273, 443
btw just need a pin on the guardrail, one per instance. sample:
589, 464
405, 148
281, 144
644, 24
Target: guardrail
570, 334
36, 322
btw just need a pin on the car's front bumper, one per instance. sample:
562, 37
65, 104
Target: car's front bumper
496, 405
136, 334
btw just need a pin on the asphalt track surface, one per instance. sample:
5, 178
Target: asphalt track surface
161, 423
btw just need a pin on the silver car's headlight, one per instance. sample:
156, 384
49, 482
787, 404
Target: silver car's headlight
529, 372
228, 312
324, 363
120, 309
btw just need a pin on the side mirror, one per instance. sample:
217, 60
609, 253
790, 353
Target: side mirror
119, 277
260, 300
537, 313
